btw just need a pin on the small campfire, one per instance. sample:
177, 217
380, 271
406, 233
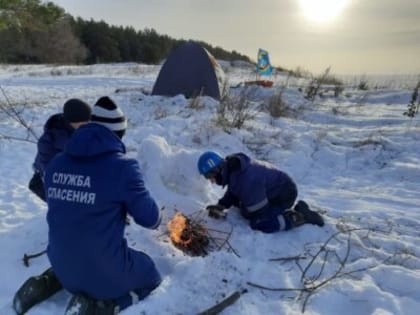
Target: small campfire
188, 235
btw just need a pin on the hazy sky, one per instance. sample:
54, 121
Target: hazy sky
351, 36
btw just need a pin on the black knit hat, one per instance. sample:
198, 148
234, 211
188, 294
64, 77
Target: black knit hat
108, 114
75, 110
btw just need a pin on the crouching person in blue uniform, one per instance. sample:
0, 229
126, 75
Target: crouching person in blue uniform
90, 189
264, 194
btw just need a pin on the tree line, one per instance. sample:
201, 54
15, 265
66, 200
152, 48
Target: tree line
32, 31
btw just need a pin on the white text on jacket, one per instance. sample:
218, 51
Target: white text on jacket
71, 195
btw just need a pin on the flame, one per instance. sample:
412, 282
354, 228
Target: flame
176, 227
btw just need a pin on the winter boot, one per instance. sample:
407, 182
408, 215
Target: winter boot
293, 219
35, 290
310, 216
83, 305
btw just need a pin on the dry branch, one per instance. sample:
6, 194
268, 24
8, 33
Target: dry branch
310, 285
195, 238
216, 309
11, 111
188, 235
259, 286
27, 257
298, 257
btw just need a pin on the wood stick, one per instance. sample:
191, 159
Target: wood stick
26, 257
216, 309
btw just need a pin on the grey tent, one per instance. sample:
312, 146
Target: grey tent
190, 70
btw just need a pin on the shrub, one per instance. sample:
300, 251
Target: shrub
363, 85
313, 89
196, 103
277, 107
233, 112
412, 107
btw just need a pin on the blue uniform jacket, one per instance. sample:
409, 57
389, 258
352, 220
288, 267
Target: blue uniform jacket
257, 187
90, 188
56, 134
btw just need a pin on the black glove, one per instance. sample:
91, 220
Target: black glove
216, 211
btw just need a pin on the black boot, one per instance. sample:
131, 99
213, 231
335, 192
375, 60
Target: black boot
293, 219
35, 290
310, 216
83, 305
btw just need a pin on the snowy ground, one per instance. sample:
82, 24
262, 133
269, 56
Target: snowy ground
356, 158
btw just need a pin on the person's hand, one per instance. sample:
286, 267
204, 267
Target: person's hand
216, 211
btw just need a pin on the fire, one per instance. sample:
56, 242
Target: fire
176, 227
188, 235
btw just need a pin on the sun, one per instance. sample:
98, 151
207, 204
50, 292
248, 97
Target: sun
322, 10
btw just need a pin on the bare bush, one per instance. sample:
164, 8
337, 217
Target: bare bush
300, 72
233, 112
224, 91
338, 90
412, 107
313, 88
15, 112
196, 103
363, 84
331, 82
277, 107
160, 113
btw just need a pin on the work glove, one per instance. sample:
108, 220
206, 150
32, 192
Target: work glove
216, 211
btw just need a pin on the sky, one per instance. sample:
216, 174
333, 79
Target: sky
351, 36
355, 158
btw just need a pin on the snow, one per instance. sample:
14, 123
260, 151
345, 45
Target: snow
355, 158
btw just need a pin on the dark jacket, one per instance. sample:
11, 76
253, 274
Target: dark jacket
90, 188
56, 134
256, 187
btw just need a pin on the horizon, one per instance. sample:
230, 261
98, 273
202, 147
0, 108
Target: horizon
350, 36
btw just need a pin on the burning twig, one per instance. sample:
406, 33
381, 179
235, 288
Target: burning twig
191, 235
188, 235
26, 257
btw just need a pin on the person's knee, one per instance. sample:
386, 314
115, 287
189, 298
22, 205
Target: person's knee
154, 280
138, 294
265, 224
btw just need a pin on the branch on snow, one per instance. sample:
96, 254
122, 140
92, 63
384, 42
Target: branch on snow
326, 254
219, 307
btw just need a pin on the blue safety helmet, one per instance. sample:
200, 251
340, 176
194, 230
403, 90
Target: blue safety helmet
208, 162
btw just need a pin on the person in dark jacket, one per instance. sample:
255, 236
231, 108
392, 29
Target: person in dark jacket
90, 189
264, 194
57, 131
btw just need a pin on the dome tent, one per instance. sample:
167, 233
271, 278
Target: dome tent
190, 70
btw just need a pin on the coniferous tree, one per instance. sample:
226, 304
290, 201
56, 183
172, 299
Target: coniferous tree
96, 36
32, 31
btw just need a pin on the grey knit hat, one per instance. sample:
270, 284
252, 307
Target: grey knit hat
108, 114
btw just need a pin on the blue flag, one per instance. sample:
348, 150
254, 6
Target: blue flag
263, 65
